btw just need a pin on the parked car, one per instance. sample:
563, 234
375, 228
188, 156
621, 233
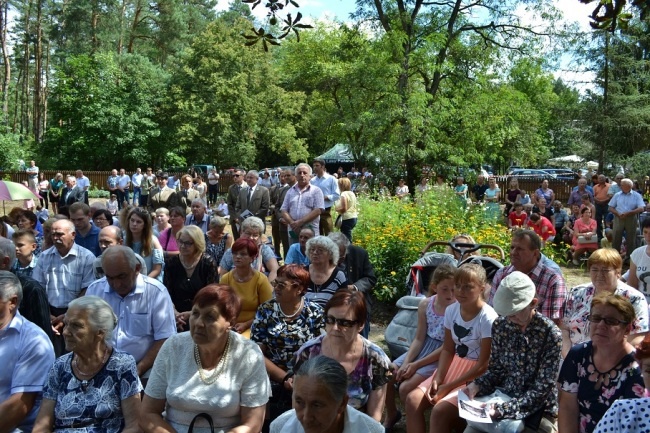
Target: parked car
562, 173
531, 173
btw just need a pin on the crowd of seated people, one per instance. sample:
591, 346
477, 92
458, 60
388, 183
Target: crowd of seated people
244, 344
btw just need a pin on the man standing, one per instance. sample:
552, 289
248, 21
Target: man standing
71, 193
576, 194
626, 205
187, 194
355, 263
331, 193
111, 236
26, 356
289, 181
602, 203
162, 195
144, 310
303, 204
526, 257
254, 198
32, 176
87, 235
136, 181
478, 190
123, 186
112, 182
198, 217
65, 271
147, 184
213, 186
276, 215
84, 183
231, 199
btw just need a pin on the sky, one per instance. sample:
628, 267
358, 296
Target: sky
573, 11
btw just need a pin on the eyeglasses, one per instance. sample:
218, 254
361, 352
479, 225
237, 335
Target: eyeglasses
183, 244
342, 323
609, 321
601, 271
281, 284
99, 219
318, 251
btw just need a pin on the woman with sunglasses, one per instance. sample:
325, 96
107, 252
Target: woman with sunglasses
281, 326
604, 266
168, 236
631, 415
188, 272
598, 372
367, 365
251, 285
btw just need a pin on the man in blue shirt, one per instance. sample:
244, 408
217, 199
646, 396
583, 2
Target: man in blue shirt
626, 205
87, 234
26, 356
331, 193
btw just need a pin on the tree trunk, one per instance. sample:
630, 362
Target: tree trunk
38, 73
7, 63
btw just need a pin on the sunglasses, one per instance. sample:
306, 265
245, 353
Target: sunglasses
609, 321
342, 323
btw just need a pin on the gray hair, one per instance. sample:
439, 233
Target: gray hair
100, 315
114, 231
125, 252
8, 249
253, 173
324, 242
162, 210
200, 201
340, 239
69, 225
10, 287
627, 181
217, 221
329, 372
253, 223
302, 164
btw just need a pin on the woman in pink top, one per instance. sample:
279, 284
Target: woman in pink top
584, 235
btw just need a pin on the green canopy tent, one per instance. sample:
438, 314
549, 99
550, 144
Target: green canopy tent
338, 156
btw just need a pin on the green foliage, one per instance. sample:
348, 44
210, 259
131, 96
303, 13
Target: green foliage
394, 232
226, 105
11, 151
106, 110
95, 192
638, 166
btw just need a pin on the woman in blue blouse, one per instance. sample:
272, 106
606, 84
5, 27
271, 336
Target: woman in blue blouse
94, 387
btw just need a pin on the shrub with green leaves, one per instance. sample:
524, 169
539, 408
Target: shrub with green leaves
394, 232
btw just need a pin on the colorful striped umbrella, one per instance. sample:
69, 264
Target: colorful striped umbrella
15, 191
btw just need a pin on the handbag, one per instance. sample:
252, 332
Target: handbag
339, 221
205, 416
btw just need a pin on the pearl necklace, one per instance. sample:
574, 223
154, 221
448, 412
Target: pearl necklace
84, 383
208, 380
299, 309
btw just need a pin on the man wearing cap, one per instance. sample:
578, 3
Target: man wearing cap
162, 195
526, 257
331, 194
524, 361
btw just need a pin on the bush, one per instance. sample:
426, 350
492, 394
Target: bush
95, 192
394, 232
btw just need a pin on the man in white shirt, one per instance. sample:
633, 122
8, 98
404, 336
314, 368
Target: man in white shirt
84, 183
32, 175
136, 181
142, 305
123, 185
331, 193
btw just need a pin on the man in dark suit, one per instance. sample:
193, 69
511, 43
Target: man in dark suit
288, 179
355, 263
253, 198
231, 199
71, 193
